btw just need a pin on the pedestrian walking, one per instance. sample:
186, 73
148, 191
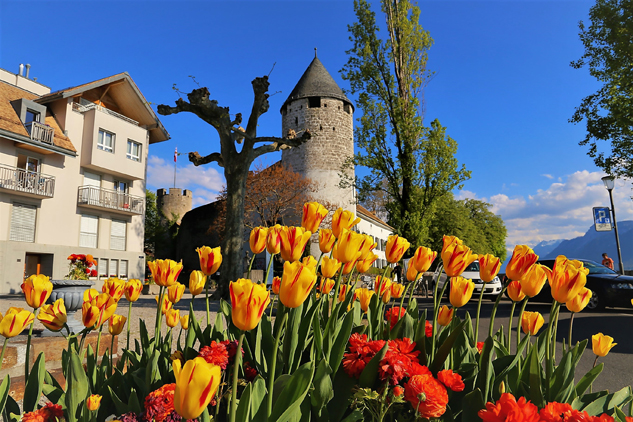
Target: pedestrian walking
606, 261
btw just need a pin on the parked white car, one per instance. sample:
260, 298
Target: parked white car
491, 290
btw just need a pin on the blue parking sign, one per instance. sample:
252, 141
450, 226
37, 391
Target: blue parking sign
602, 219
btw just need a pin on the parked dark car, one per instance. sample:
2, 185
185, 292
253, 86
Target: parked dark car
608, 287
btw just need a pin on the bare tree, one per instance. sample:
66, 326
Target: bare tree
236, 164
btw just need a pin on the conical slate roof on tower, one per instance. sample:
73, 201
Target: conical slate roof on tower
317, 82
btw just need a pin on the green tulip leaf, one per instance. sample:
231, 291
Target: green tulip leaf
370, 373
323, 388
445, 348
34, 384
472, 403
287, 406
343, 386
77, 388
340, 342
4, 392
588, 379
607, 403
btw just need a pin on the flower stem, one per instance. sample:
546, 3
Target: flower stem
336, 292
4, 346
555, 333
28, 348
571, 324
111, 354
206, 293
520, 321
436, 303
250, 266
273, 365
159, 309
236, 368
270, 264
481, 296
494, 311
98, 342
510, 328
548, 339
129, 315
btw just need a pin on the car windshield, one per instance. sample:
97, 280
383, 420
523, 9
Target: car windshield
595, 268
473, 267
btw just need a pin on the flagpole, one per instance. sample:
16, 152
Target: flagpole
175, 164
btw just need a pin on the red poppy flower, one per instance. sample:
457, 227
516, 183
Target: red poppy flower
427, 395
480, 346
563, 412
249, 372
398, 391
428, 329
159, 404
231, 347
451, 380
216, 354
508, 409
603, 418
394, 314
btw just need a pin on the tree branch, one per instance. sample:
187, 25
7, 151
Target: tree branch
260, 105
198, 160
200, 104
277, 144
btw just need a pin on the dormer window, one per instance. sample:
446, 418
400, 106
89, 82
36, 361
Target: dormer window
31, 116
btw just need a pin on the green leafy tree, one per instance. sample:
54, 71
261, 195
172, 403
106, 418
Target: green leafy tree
608, 113
415, 165
153, 227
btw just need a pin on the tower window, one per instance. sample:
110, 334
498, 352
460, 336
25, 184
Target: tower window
320, 127
333, 129
284, 110
296, 121
347, 108
314, 102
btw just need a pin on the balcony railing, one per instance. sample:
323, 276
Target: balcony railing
85, 105
104, 198
40, 132
27, 182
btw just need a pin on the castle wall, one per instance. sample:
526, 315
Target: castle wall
176, 202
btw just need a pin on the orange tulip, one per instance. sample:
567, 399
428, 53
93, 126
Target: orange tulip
445, 315
329, 266
197, 281
423, 258
326, 240
115, 287
456, 256
531, 322
489, 266
293, 242
396, 247
363, 265
210, 259
367, 246
165, 272
175, 292
386, 296
515, 291
98, 310
166, 305
381, 285
296, 283
184, 322
276, 285
53, 316
15, 321
273, 240
116, 324
567, 279
313, 215
326, 285
364, 297
522, 259
257, 240
37, 289
601, 344
172, 317
342, 292
347, 268
348, 247
578, 303
93, 402
133, 289
196, 384
248, 302
461, 291
534, 279
397, 290
310, 262
343, 220
412, 272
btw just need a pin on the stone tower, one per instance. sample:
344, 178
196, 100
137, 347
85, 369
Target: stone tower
320, 106
177, 202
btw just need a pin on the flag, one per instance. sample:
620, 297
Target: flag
176, 154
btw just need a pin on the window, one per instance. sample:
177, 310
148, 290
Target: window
114, 268
23, 223
88, 231
105, 141
121, 187
117, 235
31, 116
103, 267
123, 269
314, 102
133, 150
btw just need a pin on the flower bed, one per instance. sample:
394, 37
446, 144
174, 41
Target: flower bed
332, 352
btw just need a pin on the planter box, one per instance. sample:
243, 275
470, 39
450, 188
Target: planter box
151, 289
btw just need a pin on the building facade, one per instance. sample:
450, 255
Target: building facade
73, 166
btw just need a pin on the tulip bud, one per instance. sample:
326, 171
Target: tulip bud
348, 247
489, 266
197, 281
175, 292
276, 285
37, 289
396, 247
522, 259
445, 315
116, 324
329, 266
248, 302
196, 384
531, 322
343, 220
534, 279
257, 240
601, 344
133, 289
386, 296
502, 387
53, 316
381, 285
423, 258
115, 287
515, 291
313, 215
326, 240
184, 322
456, 256
342, 292
15, 321
210, 259
412, 272
579, 302
93, 402
273, 240
364, 297
461, 291
326, 285
397, 290
296, 283
165, 272
172, 317
293, 242
567, 279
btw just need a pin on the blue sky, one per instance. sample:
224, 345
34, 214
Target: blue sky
503, 86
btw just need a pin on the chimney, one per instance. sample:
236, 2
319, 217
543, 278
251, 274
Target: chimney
21, 69
28, 67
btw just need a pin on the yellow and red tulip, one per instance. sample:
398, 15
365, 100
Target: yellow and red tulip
165, 272
53, 316
396, 247
273, 240
93, 402
197, 281
166, 305
445, 315
342, 292
313, 215
133, 289
412, 272
601, 344
175, 292
534, 279
115, 287
172, 317
296, 283
567, 279
531, 322
210, 259
461, 291
196, 384
515, 291
364, 297
276, 285
580, 301
343, 220
90, 294
248, 302
15, 321
347, 268
522, 259
363, 265
310, 262
37, 289
329, 266
116, 324
423, 258
397, 290
293, 242
382, 284
489, 266
326, 240
456, 256
184, 322
326, 285
98, 310
257, 239
349, 245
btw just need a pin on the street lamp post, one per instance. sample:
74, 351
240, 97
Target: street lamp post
609, 183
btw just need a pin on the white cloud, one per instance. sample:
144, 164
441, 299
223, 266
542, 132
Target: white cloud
549, 176
203, 181
562, 211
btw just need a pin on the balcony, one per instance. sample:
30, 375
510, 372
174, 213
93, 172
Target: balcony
99, 198
84, 105
40, 132
26, 183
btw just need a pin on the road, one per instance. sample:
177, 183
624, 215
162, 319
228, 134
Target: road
617, 323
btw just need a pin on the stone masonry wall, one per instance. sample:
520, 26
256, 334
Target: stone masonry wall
176, 202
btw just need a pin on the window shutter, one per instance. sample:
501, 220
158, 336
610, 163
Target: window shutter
103, 267
23, 223
117, 235
88, 231
114, 268
123, 269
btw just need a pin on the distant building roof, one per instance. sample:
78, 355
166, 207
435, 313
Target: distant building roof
317, 82
364, 212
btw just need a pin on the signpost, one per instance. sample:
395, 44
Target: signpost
602, 219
